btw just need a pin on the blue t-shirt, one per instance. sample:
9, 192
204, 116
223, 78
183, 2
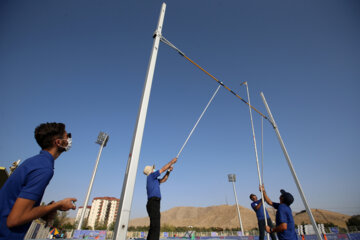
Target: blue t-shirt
153, 185
284, 215
28, 181
260, 211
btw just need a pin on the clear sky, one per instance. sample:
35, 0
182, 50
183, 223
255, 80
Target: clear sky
84, 63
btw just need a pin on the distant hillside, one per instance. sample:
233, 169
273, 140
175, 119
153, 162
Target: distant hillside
225, 216
323, 216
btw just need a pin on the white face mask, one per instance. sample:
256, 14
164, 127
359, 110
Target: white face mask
67, 148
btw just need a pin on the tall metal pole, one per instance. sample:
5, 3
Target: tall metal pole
238, 210
102, 139
232, 178
257, 158
308, 210
133, 160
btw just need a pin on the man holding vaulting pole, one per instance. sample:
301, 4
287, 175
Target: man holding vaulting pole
154, 196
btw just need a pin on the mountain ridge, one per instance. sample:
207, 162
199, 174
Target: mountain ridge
226, 216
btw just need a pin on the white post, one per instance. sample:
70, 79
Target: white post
308, 210
257, 158
133, 160
237, 205
91, 182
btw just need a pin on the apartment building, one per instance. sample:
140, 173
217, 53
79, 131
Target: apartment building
103, 210
79, 212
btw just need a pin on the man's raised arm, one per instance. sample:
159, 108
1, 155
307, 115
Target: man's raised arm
168, 165
266, 198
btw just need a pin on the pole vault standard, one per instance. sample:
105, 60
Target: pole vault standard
133, 160
291, 168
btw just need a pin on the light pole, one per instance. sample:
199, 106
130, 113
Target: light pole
232, 178
101, 140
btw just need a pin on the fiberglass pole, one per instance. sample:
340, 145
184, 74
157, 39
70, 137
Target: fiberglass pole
308, 210
127, 193
257, 158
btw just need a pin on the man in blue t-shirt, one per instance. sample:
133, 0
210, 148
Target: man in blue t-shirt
259, 209
21, 194
285, 226
154, 196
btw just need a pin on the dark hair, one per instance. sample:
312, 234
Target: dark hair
46, 132
251, 195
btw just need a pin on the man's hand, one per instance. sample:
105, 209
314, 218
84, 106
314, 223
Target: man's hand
24, 211
67, 204
174, 160
170, 169
262, 188
268, 229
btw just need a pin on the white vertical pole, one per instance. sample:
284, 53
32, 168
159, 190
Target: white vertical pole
308, 210
237, 205
257, 158
123, 216
90, 185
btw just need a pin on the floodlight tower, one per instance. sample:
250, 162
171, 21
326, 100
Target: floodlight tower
232, 178
101, 140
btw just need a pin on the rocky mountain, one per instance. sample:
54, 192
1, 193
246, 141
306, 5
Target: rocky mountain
225, 216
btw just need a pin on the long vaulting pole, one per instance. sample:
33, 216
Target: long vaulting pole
308, 210
257, 158
133, 160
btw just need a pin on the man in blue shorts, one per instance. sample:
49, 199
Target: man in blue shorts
285, 226
21, 194
259, 209
154, 196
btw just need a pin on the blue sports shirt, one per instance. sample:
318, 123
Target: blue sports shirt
28, 181
260, 211
284, 215
153, 185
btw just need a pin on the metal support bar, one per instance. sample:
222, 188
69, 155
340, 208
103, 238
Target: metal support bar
308, 210
197, 122
133, 160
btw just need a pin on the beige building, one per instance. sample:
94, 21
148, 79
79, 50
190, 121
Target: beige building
103, 210
78, 215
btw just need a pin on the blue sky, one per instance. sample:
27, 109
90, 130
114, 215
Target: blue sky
84, 63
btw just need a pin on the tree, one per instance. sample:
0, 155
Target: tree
100, 226
68, 226
60, 219
84, 225
353, 221
329, 224
112, 227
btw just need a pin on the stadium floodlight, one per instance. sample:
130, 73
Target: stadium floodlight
232, 178
101, 140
